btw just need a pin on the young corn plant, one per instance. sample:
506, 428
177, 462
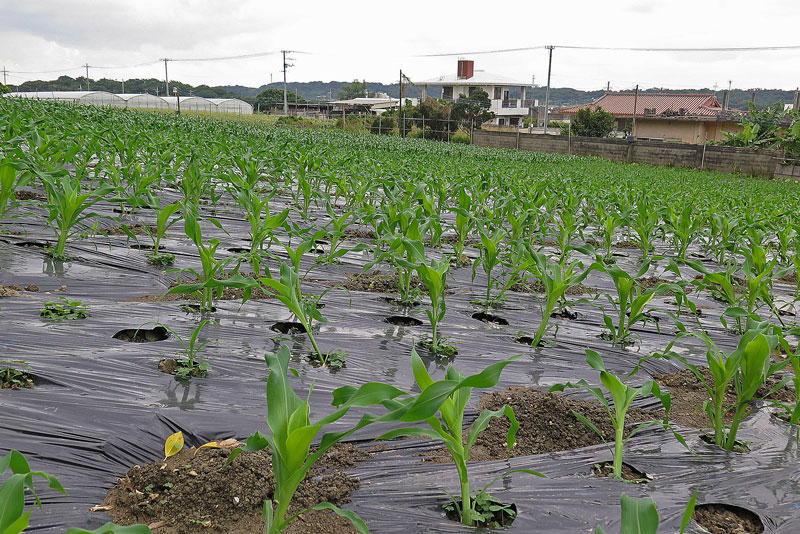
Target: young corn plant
10, 180
288, 417
463, 225
163, 223
556, 280
263, 223
212, 268
748, 367
644, 223
404, 252
338, 225
452, 396
793, 357
434, 276
622, 396
490, 259
67, 206
640, 516
193, 364
685, 227
13, 517
631, 302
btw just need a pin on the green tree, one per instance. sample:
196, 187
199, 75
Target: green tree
593, 123
4, 89
354, 90
273, 97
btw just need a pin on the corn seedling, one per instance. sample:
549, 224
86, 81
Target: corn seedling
288, 417
631, 302
622, 395
13, 517
448, 424
14, 374
10, 180
64, 308
434, 276
748, 367
192, 364
67, 206
490, 259
640, 516
556, 279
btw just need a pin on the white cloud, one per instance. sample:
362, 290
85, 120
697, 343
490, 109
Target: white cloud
373, 41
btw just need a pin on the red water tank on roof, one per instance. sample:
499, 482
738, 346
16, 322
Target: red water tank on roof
466, 68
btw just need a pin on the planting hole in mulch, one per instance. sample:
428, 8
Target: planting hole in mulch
402, 320
718, 518
288, 327
397, 302
31, 244
566, 313
489, 318
688, 394
135, 229
172, 366
139, 246
738, 446
192, 494
23, 194
15, 379
194, 307
547, 424
491, 512
142, 335
525, 340
239, 250
629, 473
359, 234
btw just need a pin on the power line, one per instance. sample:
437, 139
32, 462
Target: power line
619, 48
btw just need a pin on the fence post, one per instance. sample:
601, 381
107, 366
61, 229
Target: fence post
380, 117
423, 126
569, 137
517, 138
471, 129
447, 125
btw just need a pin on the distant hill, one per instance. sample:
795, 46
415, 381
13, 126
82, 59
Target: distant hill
319, 90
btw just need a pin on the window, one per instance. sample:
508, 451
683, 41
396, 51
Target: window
513, 121
447, 93
505, 95
471, 90
501, 122
498, 93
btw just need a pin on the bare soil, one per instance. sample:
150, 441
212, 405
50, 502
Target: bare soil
24, 194
191, 494
688, 395
136, 229
375, 282
354, 233
535, 286
228, 293
724, 519
14, 290
629, 473
547, 424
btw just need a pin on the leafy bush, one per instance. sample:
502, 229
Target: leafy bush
593, 123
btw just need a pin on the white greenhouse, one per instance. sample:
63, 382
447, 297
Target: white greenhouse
94, 98
190, 103
143, 101
232, 105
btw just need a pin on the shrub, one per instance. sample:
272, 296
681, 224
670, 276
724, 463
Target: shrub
593, 123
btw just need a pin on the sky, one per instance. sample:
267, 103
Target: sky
42, 39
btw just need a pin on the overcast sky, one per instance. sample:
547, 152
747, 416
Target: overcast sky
373, 40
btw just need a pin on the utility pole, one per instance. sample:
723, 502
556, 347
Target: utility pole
166, 75
285, 94
608, 87
547, 93
177, 91
4, 75
635, 102
400, 110
123, 86
87, 76
796, 107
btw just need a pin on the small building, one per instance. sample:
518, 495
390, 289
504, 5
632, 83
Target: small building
231, 105
93, 98
143, 101
678, 117
466, 80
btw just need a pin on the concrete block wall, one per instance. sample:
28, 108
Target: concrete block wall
716, 158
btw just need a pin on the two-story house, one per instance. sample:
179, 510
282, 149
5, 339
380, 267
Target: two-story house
466, 80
